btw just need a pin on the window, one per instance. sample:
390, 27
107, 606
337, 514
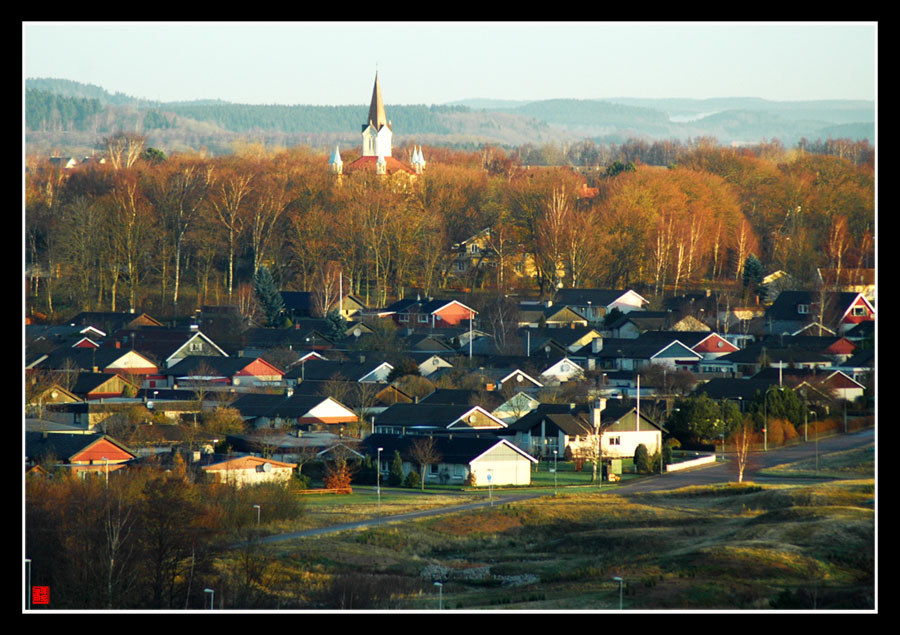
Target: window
802, 309
402, 317
858, 311
423, 318
615, 441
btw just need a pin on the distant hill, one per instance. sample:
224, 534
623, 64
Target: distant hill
61, 112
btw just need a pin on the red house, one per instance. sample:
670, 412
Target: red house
429, 313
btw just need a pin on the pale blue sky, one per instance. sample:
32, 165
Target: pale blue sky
333, 63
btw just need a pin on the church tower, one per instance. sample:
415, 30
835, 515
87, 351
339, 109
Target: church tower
376, 133
376, 156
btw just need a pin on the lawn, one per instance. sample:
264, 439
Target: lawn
725, 547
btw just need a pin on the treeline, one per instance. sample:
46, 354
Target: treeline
48, 111
669, 152
165, 234
415, 119
147, 538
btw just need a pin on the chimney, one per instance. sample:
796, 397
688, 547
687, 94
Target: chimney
596, 344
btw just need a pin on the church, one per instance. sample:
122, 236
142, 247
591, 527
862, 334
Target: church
376, 146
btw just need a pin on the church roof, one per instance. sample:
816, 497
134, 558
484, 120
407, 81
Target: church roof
392, 165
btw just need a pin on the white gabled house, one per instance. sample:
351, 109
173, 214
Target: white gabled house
480, 461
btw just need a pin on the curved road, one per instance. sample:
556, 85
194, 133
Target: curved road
707, 475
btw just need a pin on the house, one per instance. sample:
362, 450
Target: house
750, 360
66, 163
834, 312
223, 371
480, 461
293, 411
429, 417
567, 429
549, 316
350, 306
559, 370
361, 370
105, 359
58, 335
307, 334
83, 454
515, 407
827, 381
564, 340
245, 469
50, 394
431, 312
167, 346
594, 304
281, 446
429, 363
471, 254
112, 321
650, 348
103, 385
298, 304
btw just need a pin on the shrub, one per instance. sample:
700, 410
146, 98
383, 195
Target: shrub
412, 480
395, 476
641, 459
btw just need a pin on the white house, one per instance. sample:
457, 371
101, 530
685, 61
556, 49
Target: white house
480, 461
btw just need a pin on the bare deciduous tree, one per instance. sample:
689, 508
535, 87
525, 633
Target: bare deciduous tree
424, 452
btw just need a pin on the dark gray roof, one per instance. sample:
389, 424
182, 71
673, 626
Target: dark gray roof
208, 364
456, 449
581, 297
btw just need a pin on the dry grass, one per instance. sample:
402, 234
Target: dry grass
728, 547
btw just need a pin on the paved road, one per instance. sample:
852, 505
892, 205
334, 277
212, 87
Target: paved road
718, 473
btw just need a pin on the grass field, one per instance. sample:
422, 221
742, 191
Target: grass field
726, 547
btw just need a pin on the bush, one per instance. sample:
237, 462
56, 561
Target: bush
641, 459
412, 480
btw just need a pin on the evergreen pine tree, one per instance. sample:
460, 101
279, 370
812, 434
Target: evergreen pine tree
395, 476
269, 296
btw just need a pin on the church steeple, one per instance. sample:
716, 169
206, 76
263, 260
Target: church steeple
376, 132
376, 108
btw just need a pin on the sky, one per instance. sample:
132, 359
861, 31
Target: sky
334, 63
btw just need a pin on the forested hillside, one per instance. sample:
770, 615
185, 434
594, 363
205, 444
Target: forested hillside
67, 117
167, 233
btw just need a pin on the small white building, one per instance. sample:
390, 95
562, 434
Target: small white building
462, 458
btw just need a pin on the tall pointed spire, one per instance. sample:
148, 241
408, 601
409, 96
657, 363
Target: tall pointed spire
377, 116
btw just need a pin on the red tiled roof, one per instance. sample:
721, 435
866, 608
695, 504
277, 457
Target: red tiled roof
368, 163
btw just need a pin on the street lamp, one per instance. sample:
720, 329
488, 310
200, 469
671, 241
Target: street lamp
491, 485
766, 418
378, 480
257, 508
619, 580
555, 490
212, 595
440, 587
